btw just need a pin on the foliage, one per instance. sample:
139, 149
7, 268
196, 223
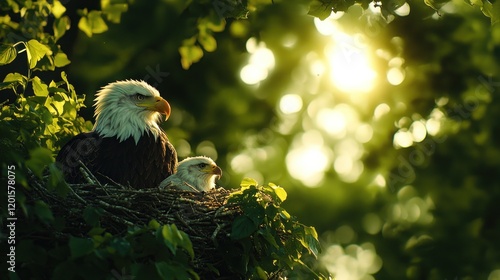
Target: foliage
143, 252
266, 238
43, 114
429, 217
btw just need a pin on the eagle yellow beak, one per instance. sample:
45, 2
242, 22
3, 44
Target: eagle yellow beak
213, 169
157, 104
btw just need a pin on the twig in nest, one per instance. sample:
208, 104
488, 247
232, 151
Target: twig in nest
91, 179
118, 207
179, 218
114, 182
77, 196
216, 231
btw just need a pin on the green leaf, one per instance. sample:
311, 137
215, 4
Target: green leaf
254, 211
242, 227
311, 239
261, 273
167, 271
280, 192
15, 77
96, 231
153, 224
36, 51
495, 14
186, 244
173, 238
92, 216
56, 181
121, 246
43, 212
174, 271
421, 243
269, 237
190, 54
216, 23
92, 23
113, 11
60, 26
69, 110
39, 87
169, 238
61, 59
247, 182
58, 9
285, 215
319, 9
12, 80
39, 159
436, 4
208, 42
80, 246
7, 54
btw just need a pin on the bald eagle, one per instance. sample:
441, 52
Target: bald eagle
194, 174
126, 145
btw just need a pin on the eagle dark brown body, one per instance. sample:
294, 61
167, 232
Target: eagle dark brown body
143, 165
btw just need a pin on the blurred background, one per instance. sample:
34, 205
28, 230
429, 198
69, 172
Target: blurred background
383, 129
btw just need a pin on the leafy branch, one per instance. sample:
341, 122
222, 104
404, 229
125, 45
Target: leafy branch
266, 237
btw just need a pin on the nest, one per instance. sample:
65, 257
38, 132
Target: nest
205, 217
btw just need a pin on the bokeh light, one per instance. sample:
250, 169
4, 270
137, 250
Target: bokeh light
353, 262
290, 103
309, 158
260, 63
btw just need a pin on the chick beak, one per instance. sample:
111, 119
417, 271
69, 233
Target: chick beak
214, 169
217, 171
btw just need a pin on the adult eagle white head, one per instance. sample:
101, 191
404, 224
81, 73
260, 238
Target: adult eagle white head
126, 145
194, 174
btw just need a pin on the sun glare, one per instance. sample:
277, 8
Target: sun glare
348, 59
351, 71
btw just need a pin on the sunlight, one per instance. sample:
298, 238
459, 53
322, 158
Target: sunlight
308, 164
380, 181
403, 138
395, 76
403, 11
260, 62
242, 163
353, 262
418, 130
332, 121
290, 103
381, 110
308, 159
364, 133
347, 55
351, 69
328, 26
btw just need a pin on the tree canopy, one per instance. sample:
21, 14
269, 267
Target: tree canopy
378, 118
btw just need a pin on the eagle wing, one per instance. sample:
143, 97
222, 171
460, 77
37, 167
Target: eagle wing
83, 148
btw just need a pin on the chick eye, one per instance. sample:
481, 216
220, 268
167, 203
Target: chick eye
139, 96
202, 165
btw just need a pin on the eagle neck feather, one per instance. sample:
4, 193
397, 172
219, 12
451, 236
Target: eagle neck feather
117, 122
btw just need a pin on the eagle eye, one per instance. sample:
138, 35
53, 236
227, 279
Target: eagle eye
202, 165
139, 97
